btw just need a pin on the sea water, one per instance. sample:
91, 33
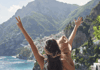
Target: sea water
12, 63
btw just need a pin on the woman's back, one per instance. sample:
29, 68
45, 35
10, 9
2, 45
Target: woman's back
66, 59
67, 62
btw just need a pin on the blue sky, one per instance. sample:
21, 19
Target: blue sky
9, 7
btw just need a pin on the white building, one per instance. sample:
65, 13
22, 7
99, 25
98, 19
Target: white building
96, 65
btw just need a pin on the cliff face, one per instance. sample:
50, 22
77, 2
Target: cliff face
82, 34
95, 11
85, 30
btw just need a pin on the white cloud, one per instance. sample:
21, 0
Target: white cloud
25, 2
6, 13
62, 1
3, 13
14, 8
31, 0
79, 2
0, 17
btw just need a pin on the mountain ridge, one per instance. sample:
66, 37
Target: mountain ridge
36, 24
81, 11
38, 18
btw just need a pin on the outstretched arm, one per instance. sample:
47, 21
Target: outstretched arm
77, 24
37, 55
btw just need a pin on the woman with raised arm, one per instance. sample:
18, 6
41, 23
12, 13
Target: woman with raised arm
58, 52
65, 46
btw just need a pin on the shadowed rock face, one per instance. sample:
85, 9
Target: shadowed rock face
79, 39
95, 11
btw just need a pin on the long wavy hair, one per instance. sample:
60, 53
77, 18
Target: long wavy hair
53, 53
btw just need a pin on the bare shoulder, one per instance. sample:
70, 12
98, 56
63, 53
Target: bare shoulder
62, 39
70, 47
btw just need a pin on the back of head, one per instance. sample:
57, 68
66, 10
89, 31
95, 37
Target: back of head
53, 52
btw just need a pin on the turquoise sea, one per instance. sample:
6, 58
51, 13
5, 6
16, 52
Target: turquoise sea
12, 63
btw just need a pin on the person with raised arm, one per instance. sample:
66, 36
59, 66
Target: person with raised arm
58, 52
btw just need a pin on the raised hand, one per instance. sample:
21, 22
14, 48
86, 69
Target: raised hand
78, 21
19, 23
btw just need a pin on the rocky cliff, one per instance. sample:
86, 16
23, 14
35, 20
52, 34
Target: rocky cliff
86, 28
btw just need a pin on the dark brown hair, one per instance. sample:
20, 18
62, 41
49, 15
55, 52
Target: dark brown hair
54, 62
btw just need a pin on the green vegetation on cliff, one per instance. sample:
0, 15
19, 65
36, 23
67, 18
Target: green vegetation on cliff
97, 28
